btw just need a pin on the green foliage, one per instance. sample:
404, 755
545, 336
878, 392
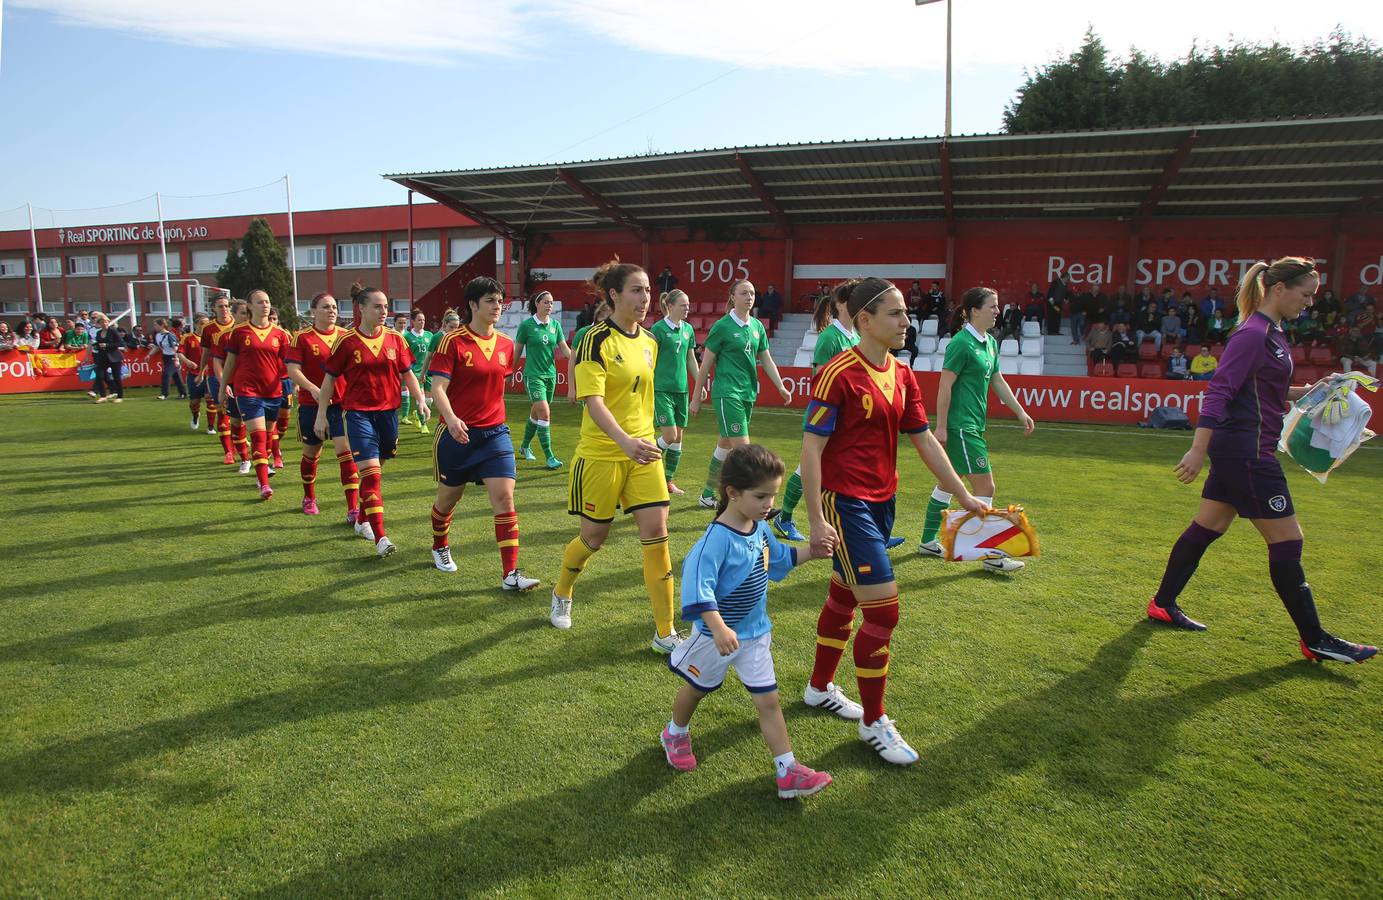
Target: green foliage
1339, 75
258, 262
206, 695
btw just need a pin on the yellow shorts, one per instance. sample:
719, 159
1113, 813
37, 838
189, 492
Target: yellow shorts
596, 487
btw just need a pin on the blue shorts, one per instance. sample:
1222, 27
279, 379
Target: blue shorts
374, 434
1256, 488
196, 387
488, 454
863, 527
307, 420
287, 395
213, 390
258, 407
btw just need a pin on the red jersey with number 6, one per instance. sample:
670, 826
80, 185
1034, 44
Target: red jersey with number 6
477, 368
862, 409
371, 367
259, 357
311, 349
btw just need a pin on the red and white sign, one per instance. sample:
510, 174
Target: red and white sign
19, 376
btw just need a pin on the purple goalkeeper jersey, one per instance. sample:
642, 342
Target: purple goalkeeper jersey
1247, 396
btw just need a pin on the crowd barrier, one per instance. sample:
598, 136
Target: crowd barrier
57, 370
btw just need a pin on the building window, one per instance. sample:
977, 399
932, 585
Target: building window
12, 268
49, 265
81, 265
401, 305
14, 307
51, 306
88, 305
122, 263
153, 263
357, 256
425, 253
208, 260
345, 312
160, 308
309, 257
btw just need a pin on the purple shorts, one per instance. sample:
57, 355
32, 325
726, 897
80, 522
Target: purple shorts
1256, 488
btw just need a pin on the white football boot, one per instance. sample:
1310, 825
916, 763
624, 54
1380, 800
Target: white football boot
883, 736
1002, 564
442, 559
559, 614
384, 546
931, 548
832, 699
517, 581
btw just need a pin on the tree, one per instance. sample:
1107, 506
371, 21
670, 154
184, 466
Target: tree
257, 262
1340, 75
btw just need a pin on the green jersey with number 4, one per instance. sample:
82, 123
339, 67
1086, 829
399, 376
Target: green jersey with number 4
975, 360
674, 343
737, 348
831, 343
538, 342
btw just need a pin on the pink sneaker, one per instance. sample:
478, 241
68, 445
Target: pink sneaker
278, 460
310, 506
352, 516
266, 492
679, 751
801, 782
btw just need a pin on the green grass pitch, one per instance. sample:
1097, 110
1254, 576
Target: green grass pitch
204, 694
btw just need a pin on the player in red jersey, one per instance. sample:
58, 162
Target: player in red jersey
285, 406
468, 374
189, 357
861, 401
255, 354
306, 358
232, 423
371, 357
218, 422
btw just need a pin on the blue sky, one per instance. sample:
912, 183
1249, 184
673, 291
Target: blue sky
189, 97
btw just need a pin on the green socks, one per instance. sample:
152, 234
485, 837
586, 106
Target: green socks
672, 455
792, 495
529, 429
544, 436
936, 509
712, 486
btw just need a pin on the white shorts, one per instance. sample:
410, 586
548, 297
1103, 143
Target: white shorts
697, 660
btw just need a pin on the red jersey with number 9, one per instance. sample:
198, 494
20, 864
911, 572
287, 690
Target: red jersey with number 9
477, 368
310, 350
371, 367
259, 357
862, 409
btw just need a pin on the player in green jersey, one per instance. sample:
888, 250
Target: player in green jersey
451, 320
599, 314
419, 339
735, 347
538, 341
675, 338
970, 369
835, 332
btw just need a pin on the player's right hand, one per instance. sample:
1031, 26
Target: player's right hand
940, 435
726, 642
969, 502
321, 429
1190, 465
694, 408
457, 429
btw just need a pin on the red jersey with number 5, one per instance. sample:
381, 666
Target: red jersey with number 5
311, 349
371, 367
259, 357
477, 368
862, 409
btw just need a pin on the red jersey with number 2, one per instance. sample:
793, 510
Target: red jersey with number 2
862, 409
477, 368
371, 367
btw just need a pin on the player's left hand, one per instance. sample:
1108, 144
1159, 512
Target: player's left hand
322, 429
1028, 424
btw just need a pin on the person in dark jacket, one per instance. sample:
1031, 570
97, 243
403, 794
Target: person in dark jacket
1056, 298
107, 352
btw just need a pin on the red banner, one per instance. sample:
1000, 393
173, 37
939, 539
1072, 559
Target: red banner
57, 370
1097, 401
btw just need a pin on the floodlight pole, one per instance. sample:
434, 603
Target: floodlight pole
947, 132
33, 247
292, 241
163, 249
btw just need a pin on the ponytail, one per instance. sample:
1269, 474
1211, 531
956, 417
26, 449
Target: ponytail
1250, 295
971, 300
1261, 276
826, 305
668, 298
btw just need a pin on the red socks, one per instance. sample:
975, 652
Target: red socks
372, 499
307, 467
441, 524
223, 429
259, 441
350, 479
242, 443
507, 536
871, 654
281, 426
832, 632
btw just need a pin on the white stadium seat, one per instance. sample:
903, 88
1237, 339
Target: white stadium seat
803, 359
941, 349
926, 346
928, 327
938, 362
809, 340
1032, 348
556, 307
922, 363
1008, 365
1030, 366
1009, 347
1032, 329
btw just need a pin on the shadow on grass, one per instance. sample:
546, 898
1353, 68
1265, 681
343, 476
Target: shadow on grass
1079, 730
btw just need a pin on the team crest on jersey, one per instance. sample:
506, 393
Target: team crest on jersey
981, 463
1278, 503
735, 427
504, 359
274, 343
392, 354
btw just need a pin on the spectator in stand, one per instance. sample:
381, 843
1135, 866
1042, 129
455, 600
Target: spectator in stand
1167, 301
1309, 332
50, 338
1122, 349
1080, 303
1118, 314
822, 290
1057, 293
1101, 300
1127, 298
1337, 337
7, 337
26, 338
1099, 341
74, 338
166, 337
1204, 365
909, 346
1010, 322
770, 306
108, 355
1178, 367
916, 302
667, 281
1144, 297
135, 339
1210, 303
1191, 319
1326, 305
1149, 326
87, 323
1172, 332
1032, 309
1217, 330
1354, 303
936, 303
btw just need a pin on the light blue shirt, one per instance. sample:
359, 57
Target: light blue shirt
728, 571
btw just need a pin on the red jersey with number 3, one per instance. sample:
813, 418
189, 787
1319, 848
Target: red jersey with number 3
211, 341
311, 349
371, 367
260, 354
477, 368
862, 409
